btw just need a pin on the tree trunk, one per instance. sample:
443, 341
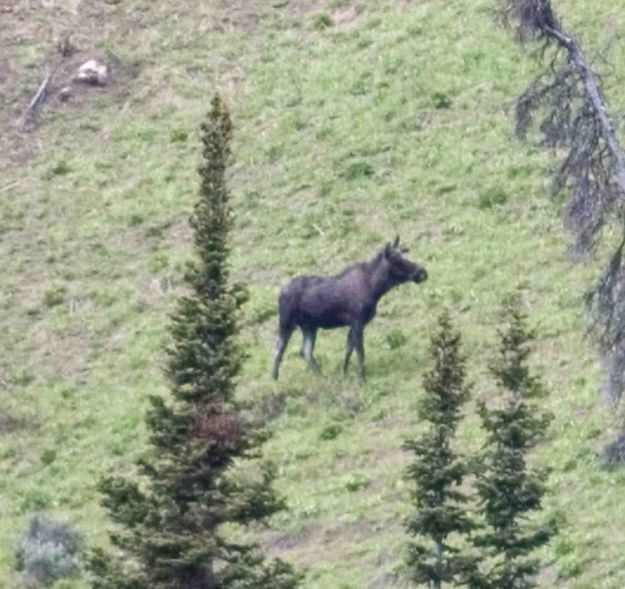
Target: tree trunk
439, 565
202, 577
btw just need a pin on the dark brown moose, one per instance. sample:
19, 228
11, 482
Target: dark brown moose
348, 299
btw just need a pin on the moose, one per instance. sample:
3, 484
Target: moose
348, 299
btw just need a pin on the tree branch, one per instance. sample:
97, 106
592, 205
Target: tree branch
594, 167
596, 100
37, 99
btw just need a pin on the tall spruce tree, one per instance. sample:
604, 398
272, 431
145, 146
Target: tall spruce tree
508, 489
171, 516
437, 470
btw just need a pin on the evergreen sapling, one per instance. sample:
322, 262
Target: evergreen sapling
509, 491
438, 471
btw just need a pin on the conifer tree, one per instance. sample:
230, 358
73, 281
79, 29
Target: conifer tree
508, 489
171, 516
437, 470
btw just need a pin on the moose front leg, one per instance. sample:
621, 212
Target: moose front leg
308, 347
349, 348
355, 340
359, 343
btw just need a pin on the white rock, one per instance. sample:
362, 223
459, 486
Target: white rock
92, 72
65, 94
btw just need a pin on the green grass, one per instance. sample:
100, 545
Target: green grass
397, 122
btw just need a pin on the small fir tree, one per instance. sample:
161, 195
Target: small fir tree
437, 470
508, 489
171, 516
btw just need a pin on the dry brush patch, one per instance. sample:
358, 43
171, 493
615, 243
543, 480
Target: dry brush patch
62, 356
328, 542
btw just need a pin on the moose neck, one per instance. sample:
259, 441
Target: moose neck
381, 278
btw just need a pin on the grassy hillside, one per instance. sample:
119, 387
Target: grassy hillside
395, 118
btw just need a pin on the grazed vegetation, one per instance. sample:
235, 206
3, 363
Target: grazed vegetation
394, 120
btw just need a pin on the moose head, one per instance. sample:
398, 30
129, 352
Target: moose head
401, 269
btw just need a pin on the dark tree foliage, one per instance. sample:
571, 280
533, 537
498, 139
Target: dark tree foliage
576, 117
508, 490
614, 453
171, 515
437, 470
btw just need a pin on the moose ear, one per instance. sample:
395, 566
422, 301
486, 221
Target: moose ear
396, 242
387, 249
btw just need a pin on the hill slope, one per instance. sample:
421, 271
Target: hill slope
396, 118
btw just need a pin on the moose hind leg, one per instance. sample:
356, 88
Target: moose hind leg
281, 344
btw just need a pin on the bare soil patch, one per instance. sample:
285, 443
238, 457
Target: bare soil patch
178, 235
298, 10
59, 356
32, 35
64, 93
270, 276
293, 541
9, 423
246, 15
306, 546
344, 15
5, 72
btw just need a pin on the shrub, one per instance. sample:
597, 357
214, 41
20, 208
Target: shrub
357, 170
47, 551
55, 295
441, 101
492, 197
179, 135
356, 482
330, 432
61, 168
321, 20
395, 339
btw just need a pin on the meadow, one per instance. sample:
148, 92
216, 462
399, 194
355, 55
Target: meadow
354, 122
